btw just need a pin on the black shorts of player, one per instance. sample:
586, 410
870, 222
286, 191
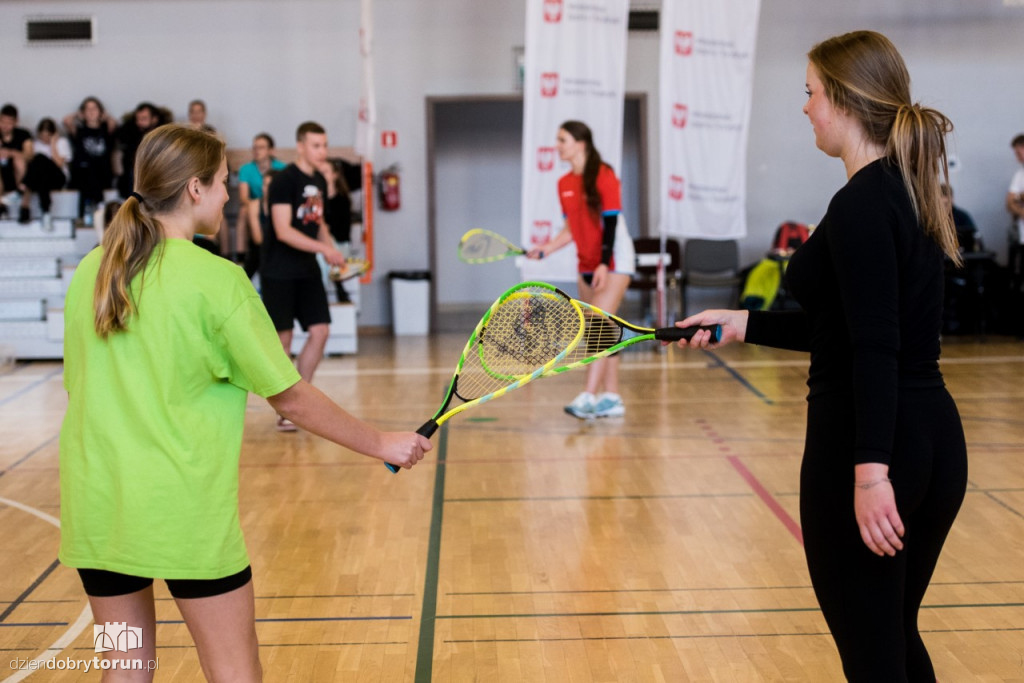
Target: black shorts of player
304, 300
99, 583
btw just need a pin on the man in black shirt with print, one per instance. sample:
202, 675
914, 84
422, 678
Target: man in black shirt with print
292, 285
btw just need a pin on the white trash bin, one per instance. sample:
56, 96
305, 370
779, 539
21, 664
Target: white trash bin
410, 302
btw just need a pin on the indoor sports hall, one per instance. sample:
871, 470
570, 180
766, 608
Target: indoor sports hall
664, 544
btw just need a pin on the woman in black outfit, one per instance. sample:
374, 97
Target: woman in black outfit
870, 282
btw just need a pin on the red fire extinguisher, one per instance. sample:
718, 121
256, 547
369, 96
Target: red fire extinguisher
390, 189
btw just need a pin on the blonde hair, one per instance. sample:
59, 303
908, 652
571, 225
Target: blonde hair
168, 157
865, 77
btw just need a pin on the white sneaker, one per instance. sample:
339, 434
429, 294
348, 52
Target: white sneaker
582, 406
609, 405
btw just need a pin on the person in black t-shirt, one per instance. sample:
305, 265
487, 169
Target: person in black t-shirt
145, 118
291, 284
15, 153
870, 283
91, 131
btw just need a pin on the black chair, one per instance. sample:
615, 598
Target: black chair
711, 264
648, 254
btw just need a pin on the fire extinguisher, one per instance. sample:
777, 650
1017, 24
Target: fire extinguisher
390, 189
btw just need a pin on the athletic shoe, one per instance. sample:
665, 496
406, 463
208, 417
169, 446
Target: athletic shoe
609, 405
285, 425
582, 406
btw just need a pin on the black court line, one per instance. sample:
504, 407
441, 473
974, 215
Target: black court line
739, 378
698, 612
24, 390
705, 589
665, 496
28, 455
711, 636
285, 620
1002, 504
428, 613
30, 624
27, 592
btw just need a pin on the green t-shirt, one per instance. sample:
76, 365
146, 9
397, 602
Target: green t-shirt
150, 443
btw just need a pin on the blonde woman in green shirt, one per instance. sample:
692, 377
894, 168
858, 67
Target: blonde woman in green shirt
163, 343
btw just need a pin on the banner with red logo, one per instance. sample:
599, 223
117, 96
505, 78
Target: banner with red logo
707, 66
575, 68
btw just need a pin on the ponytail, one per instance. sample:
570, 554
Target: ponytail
127, 246
917, 143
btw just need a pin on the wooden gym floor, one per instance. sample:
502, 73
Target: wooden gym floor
530, 546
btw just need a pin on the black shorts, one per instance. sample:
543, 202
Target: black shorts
304, 300
99, 583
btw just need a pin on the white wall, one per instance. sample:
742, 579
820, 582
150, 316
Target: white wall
264, 64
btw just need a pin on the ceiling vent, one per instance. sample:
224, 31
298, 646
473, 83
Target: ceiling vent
643, 20
60, 31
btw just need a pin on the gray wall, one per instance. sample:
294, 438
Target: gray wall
264, 64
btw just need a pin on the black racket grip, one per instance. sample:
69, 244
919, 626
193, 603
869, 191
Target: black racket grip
672, 334
427, 430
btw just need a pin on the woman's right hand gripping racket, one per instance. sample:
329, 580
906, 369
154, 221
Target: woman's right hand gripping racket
526, 332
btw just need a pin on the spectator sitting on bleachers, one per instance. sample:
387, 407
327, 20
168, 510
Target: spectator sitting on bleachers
91, 131
47, 170
967, 233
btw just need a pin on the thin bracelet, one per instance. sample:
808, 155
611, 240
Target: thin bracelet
870, 484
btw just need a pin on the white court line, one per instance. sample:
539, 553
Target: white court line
68, 637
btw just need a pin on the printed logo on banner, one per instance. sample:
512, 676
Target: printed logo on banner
540, 233
549, 84
552, 11
684, 43
675, 187
680, 113
545, 158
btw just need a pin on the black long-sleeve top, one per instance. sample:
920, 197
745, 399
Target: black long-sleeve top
870, 283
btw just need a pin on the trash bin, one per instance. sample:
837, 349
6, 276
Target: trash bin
410, 301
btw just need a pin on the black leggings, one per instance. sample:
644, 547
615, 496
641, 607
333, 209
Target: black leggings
870, 602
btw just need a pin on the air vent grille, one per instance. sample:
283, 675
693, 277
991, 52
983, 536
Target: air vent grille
59, 31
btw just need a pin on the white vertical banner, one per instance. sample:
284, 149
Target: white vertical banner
575, 68
366, 129
366, 120
707, 66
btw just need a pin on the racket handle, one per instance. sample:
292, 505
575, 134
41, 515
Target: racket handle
427, 429
672, 334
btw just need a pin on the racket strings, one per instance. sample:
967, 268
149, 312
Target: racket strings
600, 333
478, 246
524, 333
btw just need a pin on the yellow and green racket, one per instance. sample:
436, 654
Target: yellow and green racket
483, 246
605, 334
526, 332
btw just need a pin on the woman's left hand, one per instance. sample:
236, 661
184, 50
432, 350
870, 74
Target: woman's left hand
874, 505
600, 277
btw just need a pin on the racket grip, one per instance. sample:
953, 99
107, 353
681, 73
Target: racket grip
428, 428
672, 334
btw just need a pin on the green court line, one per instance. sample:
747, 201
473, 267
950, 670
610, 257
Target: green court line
428, 613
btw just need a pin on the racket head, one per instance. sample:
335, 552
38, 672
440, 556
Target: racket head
483, 246
528, 330
605, 334
354, 267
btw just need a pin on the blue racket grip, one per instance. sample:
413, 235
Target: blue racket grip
427, 429
673, 334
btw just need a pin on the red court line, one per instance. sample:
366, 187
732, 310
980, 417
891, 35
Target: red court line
767, 498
